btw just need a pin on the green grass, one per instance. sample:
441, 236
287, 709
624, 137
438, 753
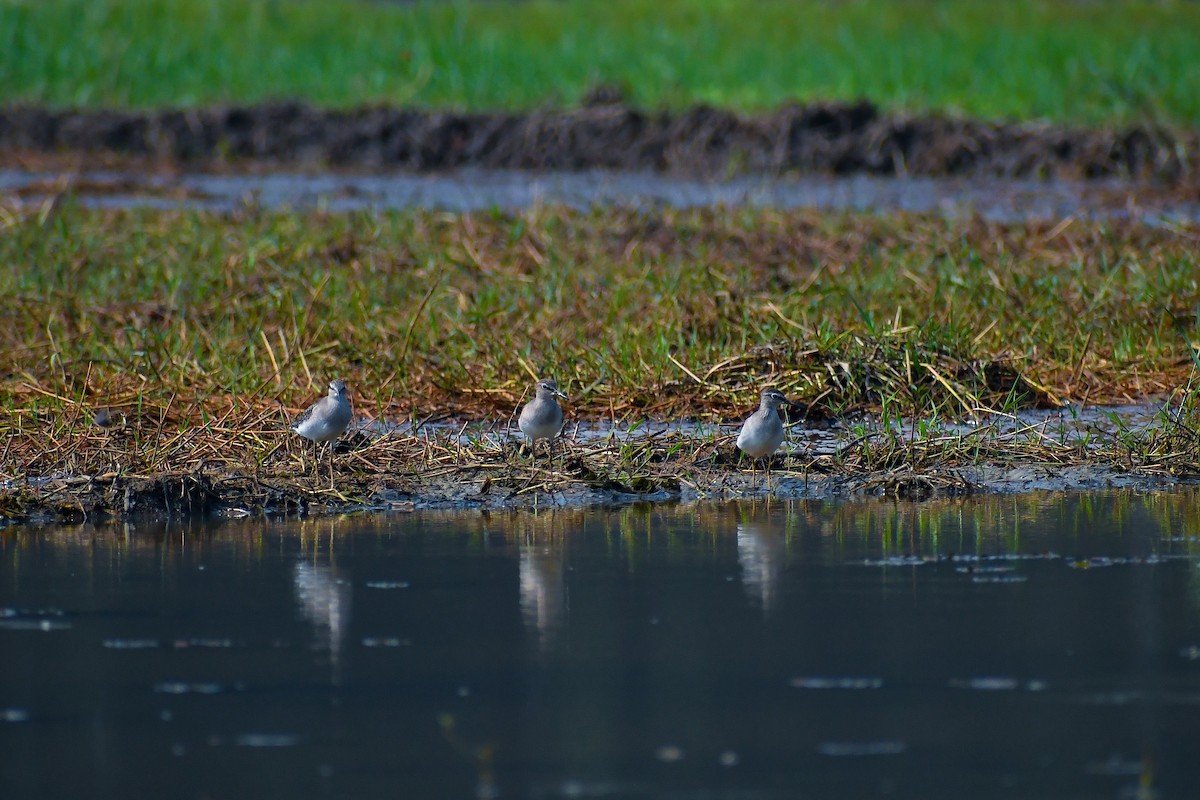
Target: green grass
1066, 61
207, 332
671, 314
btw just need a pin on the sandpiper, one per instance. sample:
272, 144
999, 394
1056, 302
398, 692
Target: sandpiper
326, 419
762, 432
541, 418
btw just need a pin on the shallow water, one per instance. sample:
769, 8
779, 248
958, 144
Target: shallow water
1039, 645
1071, 424
1002, 200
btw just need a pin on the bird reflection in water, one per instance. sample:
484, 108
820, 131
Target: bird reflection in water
761, 554
542, 570
324, 599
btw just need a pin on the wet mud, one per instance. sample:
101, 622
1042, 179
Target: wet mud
823, 138
199, 495
673, 463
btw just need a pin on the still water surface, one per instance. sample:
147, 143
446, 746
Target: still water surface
1008, 647
998, 199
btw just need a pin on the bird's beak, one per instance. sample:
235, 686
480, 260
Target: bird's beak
560, 394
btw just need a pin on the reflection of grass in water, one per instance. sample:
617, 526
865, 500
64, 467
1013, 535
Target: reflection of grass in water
1001, 524
1097, 62
698, 534
982, 525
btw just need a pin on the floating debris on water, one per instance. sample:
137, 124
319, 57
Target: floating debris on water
1097, 562
729, 759
985, 573
836, 683
266, 740
219, 644
844, 749
999, 579
10, 613
1048, 555
388, 584
33, 625
177, 644
997, 683
911, 560
1075, 562
1191, 653
573, 787
385, 641
14, 715
899, 561
976, 564
180, 687
669, 753
987, 684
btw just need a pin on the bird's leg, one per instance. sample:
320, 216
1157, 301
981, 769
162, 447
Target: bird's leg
331, 466
533, 457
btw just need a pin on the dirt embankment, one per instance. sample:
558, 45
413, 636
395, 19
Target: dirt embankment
606, 133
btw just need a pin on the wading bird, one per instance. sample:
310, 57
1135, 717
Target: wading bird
762, 432
541, 418
326, 419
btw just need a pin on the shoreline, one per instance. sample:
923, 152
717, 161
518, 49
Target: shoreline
114, 498
403, 470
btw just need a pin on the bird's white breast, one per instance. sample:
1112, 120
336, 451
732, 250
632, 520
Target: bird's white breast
760, 437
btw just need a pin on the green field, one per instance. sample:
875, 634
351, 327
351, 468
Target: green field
1088, 62
668, 314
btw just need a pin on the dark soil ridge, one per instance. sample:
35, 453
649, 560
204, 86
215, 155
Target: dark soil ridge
828, 138
200, 494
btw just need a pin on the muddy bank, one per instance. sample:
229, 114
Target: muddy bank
836, 139
198, 495
458, 466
